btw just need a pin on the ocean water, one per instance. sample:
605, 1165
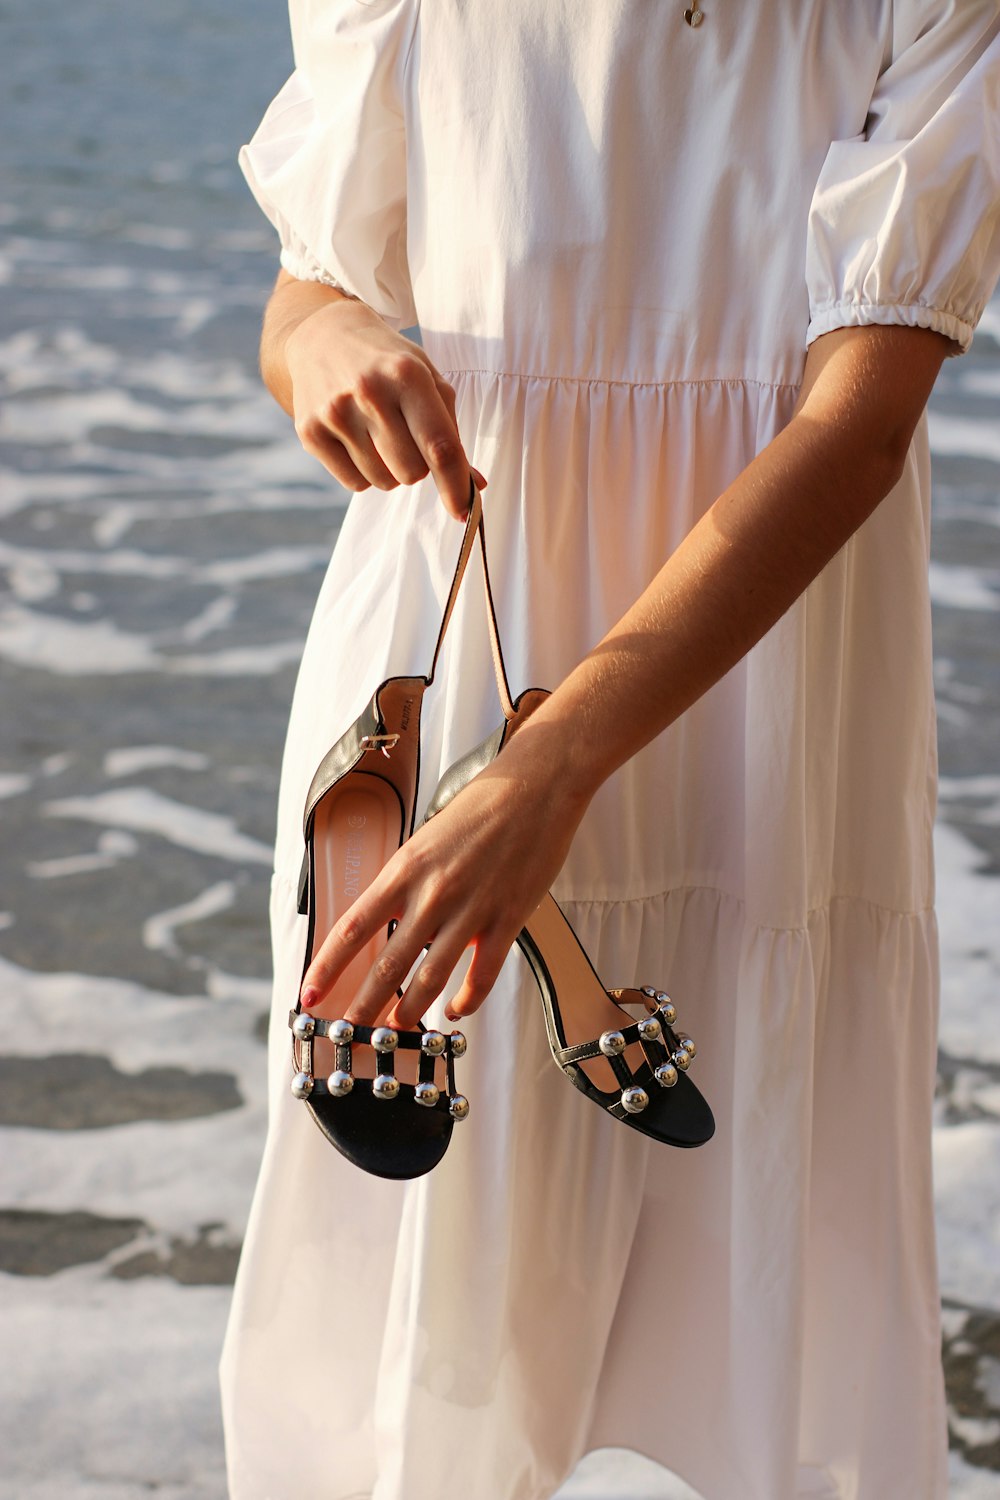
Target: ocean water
161, 540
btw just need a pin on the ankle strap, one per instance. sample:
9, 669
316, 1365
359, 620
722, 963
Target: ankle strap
475, 529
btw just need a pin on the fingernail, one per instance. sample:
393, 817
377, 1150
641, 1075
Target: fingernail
309, 997
451, 1015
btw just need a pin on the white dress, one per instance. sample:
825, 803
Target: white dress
618, 233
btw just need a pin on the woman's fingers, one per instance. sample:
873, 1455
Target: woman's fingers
488, 958
354, 463
439, 962
432, 424
369, 917
384, 434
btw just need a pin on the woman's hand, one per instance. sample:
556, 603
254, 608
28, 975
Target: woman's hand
468, 878
367, 402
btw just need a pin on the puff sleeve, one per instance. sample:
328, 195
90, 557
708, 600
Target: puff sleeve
904, 225
327, 163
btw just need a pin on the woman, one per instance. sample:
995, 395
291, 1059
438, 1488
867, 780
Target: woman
684, 281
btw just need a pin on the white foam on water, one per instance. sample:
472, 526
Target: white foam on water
977, 382
618, 1474
64, 418
29, 638
963, 437
985, 785
956, 587
123, 562
968, 1483
238, 661
131, 1366
989, 323
133, 1024
160, 236
32, 580
269, 562
13, 783
217, 615
158, 931
130, 759
968, 914
946, 679
975, 789
112, 848
70, 864
146, 811
176, 1175
56, 764
976, 1431
74, 647
966, 1166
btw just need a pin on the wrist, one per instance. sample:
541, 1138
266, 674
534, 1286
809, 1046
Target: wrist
550, 752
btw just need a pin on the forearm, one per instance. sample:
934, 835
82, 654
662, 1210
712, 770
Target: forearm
744, 564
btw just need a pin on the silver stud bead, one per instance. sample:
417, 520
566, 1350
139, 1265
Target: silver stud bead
682, 1060
385, 1086
341, 1032
303, 1027
611, 1043
650, 1029
427, 1093
634, 1100
384, 1039
458, 1106
459, 1045
302, 1085
647, 989
668, 1010
666, 1075
433, 1042
688, 1045
339, 1084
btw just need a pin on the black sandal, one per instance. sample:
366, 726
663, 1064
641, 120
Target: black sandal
385, 1098
635, 1070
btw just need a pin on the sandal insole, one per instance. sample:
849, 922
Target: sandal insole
357, 828
356, 831
586, 1008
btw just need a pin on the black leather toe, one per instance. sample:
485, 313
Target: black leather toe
395, 1138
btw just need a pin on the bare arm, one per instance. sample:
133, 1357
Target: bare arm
366, 402
472, 875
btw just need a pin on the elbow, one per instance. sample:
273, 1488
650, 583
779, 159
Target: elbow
889, 462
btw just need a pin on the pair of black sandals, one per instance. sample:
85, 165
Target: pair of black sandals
387, 1099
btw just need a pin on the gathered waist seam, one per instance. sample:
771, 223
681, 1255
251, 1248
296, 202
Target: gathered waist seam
715, 380
915, 913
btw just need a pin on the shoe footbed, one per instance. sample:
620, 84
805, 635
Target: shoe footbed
357, 827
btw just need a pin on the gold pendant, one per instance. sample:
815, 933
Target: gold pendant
694, 16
